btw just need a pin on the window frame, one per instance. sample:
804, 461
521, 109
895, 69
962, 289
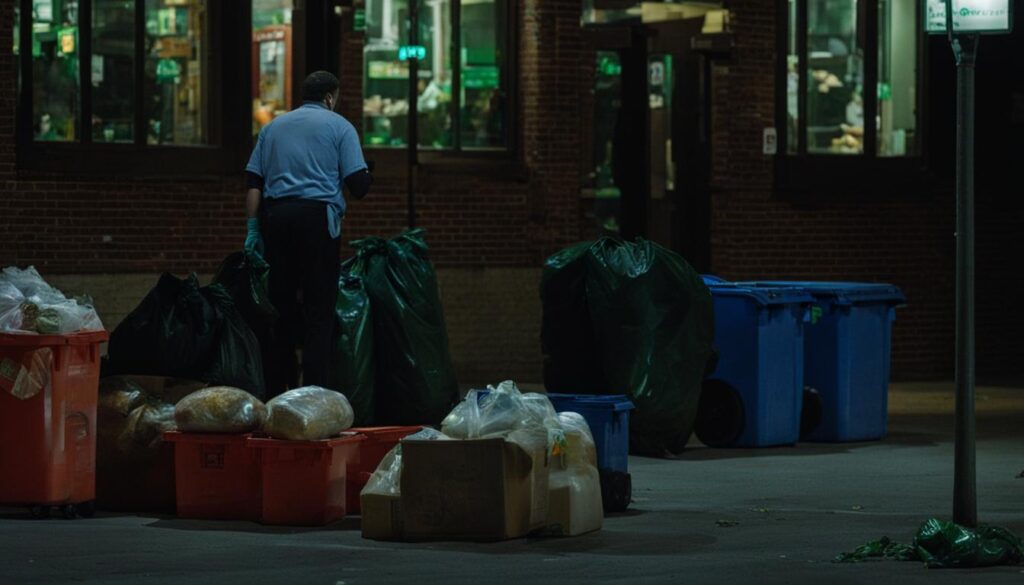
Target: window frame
865, 175
509, 86
229, 72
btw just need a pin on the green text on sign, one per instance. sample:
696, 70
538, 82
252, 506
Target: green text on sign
407, 52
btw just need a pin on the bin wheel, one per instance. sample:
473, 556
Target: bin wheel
69, 511
720, 417
812, 413
39, 512
86, 509
616, 490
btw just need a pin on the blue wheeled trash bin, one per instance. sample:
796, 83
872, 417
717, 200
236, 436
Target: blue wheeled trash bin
847, 360
608, 418
754, 397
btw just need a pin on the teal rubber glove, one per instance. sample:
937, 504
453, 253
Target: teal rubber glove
253, 239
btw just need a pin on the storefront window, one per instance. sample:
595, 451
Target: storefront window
56, 93
835, 102
112, 76
856, 84
483, 100
480, 100
272, 59
176, 72
897, 77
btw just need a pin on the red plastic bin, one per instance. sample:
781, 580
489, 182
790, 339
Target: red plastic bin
379, 441
217, 477
304, 481
48, 440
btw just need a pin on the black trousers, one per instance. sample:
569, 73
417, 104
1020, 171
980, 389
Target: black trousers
304, 268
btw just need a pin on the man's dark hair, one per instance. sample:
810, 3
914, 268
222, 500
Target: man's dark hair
317, 85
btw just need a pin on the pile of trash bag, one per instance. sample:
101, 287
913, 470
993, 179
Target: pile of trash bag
629, 318
182, 330
946, 545
29, 304
415, 381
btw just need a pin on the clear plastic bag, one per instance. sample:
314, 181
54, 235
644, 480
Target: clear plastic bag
308, 414
575, 483
387, 479
31, 284
11, 307
145, 427
220, 409
579, 447
501, 411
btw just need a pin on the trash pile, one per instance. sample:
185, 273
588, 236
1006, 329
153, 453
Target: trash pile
29, 304
941, 544
629, 318
414, 381
504, 465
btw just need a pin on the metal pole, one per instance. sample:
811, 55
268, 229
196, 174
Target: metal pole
413, 131
965, 500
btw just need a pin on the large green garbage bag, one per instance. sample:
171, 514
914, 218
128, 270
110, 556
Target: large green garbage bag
945, 545
353, 372
415, 381
237, 359
651, 324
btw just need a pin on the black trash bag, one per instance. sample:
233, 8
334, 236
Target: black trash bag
652, 325
174, 332
183, 331
415, 380
353, 373
237, 360
246, 277
945, 545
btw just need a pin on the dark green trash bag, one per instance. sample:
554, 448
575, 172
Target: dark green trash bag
946, 545
629, 318
415, 381
236, 360
353, 372
246, 277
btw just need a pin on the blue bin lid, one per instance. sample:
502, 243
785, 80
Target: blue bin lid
613, 402
763, 295
843, 293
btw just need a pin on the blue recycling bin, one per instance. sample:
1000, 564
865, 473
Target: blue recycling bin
608, 419
754, 397
848, 358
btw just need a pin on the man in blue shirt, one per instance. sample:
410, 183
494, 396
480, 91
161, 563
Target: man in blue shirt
295, 206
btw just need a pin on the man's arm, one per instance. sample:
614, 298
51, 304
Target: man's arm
359, 182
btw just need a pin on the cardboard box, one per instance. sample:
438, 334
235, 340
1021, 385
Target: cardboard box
481, 490
382, 516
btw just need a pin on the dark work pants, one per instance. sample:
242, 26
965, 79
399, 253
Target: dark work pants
304, 268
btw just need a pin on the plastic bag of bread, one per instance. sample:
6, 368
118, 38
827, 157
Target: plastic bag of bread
145, 427
308, 414
220, 409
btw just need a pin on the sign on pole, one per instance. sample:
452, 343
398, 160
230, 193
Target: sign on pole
970, 16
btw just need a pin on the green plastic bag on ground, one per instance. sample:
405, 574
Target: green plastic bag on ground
353, 350
945, 545
246, 277
629, 318
415, 381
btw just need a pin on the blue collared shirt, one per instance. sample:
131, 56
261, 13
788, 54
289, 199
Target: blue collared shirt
307, 153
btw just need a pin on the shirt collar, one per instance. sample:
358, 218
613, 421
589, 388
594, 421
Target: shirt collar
314, 104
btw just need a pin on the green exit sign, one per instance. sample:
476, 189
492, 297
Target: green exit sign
970, 16
407, 52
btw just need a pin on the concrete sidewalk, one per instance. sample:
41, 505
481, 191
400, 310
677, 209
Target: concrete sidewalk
712, 516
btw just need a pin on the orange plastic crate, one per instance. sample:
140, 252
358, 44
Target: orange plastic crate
217, 477
48, 441
379, 441
304, 481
